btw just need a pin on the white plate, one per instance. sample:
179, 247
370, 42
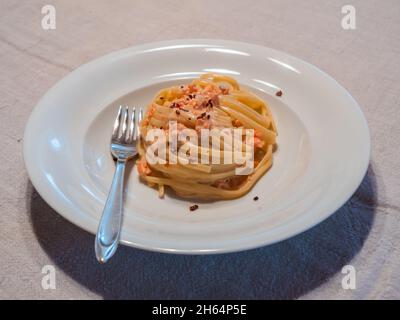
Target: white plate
323, 153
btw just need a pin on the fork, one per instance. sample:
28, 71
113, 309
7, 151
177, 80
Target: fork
124, 137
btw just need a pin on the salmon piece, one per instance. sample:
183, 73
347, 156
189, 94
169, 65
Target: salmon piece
191, 88
151, 111
258, 142
143, 168
230, 183
203, 123
224, 90
194, 97
237, 123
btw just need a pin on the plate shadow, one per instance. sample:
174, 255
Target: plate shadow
285, 270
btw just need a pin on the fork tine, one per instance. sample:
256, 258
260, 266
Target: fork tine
137, 124
130, 135
139, 121
117, 123
124, 124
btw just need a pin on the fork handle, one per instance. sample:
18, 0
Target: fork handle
108, 233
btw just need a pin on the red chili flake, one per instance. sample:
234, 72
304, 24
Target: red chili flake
279, 93
161, 98
177, 112
190, 119
184, 110
202, 115
194, 207
182, 87
255, 198
208, 116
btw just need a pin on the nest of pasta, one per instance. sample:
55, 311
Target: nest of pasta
210, 102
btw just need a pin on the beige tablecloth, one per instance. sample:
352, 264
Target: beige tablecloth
364, 233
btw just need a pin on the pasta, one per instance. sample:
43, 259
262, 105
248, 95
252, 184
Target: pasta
211, 102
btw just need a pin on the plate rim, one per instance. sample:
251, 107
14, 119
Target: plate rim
148, 45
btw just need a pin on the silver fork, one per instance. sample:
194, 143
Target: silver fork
124, 137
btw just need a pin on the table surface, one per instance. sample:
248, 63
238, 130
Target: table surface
364, 233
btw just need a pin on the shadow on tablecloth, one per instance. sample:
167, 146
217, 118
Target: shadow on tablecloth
285, 270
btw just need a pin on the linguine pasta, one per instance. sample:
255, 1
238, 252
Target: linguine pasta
209, 102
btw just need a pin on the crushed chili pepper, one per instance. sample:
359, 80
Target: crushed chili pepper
201, 116
255, 198
194, 207
279, 93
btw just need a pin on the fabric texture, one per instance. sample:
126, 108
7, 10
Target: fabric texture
364, 233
